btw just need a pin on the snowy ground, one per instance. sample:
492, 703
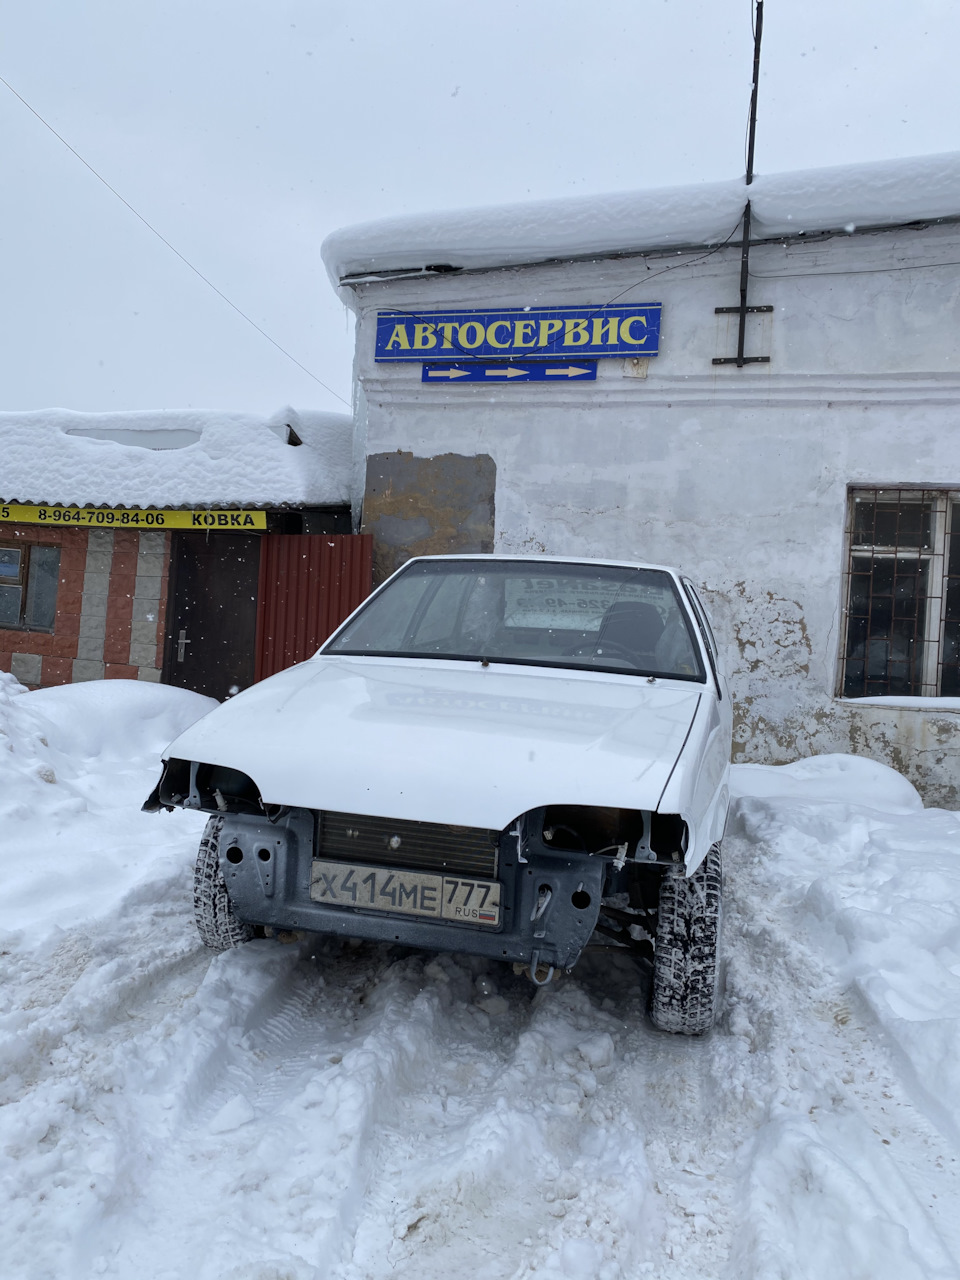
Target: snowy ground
298, 1113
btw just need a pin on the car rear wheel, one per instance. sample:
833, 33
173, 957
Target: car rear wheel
218, 927
685, 963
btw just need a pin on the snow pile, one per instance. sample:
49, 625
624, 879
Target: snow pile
358, 1112
824, 779
875, 881
855, 889
881, 193
76, 763
175, 459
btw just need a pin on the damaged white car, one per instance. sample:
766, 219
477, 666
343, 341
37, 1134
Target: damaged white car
506, 757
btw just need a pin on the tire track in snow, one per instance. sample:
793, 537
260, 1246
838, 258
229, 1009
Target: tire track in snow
267, 1159
792, 1112
96, 979
383, 1101
375, 1112
787, 1143
385, 1123
518, 1157
79, 1015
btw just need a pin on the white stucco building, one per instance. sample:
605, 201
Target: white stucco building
816, 497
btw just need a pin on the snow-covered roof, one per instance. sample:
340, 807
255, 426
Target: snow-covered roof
181, 458
843, 198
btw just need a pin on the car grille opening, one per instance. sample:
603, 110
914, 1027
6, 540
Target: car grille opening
398, 842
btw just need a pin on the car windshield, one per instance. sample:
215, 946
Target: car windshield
558, 615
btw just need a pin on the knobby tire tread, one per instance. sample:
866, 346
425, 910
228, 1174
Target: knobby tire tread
685, 968
218, 927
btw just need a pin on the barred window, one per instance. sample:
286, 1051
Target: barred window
29, 575
902, 594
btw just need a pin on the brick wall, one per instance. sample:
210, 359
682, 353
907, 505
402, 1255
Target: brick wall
111, 605
38, 657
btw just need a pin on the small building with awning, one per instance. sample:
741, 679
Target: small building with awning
206, 550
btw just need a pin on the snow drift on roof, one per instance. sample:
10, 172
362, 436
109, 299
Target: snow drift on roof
877, 194
174, 458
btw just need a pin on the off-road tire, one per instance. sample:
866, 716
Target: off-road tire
683, 997
218, 927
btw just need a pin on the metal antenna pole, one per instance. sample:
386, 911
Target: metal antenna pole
743, 310
752, 135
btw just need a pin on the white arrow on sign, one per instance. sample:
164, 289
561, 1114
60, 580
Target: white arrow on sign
506, 373
571, 372
448, 373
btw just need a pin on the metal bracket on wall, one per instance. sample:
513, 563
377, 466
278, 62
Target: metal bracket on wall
742, 310
740, 359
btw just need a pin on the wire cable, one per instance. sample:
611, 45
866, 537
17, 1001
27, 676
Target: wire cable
856, 271
592, 311
196, 271
688, 262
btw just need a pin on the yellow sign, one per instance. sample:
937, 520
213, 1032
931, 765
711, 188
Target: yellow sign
133, 517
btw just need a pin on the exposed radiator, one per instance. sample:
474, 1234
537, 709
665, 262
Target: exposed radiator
430, 846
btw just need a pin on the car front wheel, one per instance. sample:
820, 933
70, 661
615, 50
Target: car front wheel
685, 963
218, 927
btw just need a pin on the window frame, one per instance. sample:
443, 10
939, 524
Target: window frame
23, 582
941, 501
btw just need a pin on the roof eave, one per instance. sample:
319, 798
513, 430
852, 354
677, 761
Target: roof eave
388, 275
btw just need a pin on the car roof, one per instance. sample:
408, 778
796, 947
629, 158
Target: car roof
540, 559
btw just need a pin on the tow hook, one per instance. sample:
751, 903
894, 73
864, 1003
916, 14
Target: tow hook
540, 974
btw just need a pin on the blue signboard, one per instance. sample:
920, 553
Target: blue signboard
515, 371
520, 333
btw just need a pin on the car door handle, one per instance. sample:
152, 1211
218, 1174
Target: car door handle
182, 643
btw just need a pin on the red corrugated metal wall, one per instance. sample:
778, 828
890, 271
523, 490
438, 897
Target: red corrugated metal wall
308, 584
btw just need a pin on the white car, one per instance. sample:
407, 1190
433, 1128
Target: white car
501, 756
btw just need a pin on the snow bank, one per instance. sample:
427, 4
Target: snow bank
852, 780
864, 195
843, 945
173, 459
872, 879
76, 763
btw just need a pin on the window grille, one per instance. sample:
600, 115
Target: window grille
902, 594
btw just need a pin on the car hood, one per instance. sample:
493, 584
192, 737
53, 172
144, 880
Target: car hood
448, 741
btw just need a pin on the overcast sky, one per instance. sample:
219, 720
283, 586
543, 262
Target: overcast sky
246, 130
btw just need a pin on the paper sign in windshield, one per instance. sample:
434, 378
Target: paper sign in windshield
572, 604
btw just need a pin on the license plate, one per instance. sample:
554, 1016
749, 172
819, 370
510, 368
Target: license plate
407, 893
